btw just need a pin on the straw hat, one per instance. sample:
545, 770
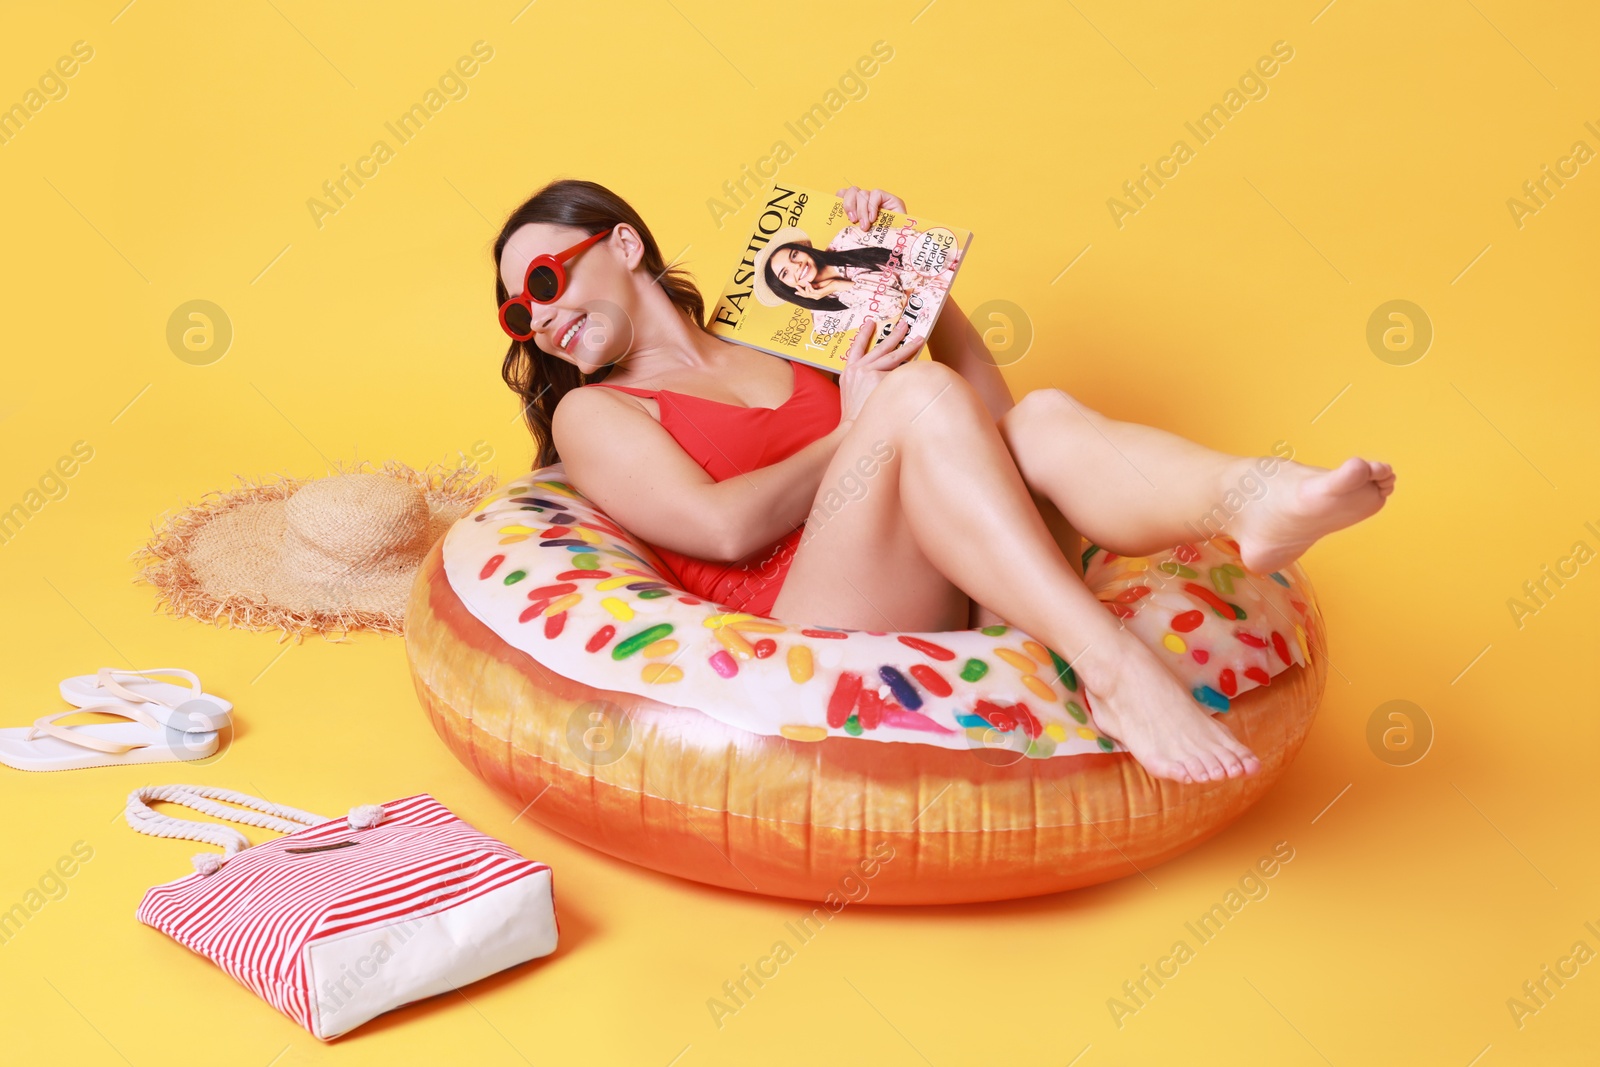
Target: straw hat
329, 554
786, 235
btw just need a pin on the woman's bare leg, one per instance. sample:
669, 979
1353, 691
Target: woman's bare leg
1137, 490
1061, 532
956, 343
946, 514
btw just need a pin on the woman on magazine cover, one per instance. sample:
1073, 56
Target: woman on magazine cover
716, 454
851, 280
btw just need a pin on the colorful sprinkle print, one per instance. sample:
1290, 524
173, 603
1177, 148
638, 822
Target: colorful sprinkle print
723, 663
903, 690
556, 578
629, 645
926, 647
930, 679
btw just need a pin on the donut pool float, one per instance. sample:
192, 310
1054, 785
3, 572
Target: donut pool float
558, 659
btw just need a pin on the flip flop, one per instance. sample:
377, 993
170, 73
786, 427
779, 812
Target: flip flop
163, 699
46, 746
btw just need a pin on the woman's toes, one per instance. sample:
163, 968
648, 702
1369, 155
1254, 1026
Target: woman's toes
1236, 746
1347, 476
1172, 769
1241, 762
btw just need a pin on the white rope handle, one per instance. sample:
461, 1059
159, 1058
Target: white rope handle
259, 812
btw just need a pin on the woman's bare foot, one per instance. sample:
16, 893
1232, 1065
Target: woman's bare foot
1305, 503
1140, 704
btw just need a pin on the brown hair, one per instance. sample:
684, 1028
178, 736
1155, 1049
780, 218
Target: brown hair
540, 379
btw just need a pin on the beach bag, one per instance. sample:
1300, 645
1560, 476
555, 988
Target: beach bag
344, 919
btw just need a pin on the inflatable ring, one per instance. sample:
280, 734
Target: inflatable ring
559, 664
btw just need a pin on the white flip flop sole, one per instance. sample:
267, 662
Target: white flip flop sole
84, 689
53, 754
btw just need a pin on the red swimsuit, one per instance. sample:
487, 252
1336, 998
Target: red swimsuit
726, 440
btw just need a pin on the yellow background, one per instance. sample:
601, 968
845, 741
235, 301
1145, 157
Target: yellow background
1232, 308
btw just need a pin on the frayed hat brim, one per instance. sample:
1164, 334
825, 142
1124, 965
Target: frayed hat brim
165, 561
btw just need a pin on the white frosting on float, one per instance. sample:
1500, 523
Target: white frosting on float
554, 601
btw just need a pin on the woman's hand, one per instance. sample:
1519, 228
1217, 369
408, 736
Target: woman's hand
863, 370
861, 206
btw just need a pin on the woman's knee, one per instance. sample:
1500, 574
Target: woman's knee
1046, 404
1049, 412
914, 387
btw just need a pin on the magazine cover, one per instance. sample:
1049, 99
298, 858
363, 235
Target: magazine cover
808, 278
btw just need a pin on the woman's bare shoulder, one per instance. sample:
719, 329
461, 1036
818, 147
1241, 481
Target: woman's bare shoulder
588, 415
590, 399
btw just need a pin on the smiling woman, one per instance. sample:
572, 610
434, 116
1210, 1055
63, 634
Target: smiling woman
712, 456
591, 208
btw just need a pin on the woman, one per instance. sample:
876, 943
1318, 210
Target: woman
689, 442
790, 271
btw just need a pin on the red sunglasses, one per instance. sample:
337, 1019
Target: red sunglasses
545, 280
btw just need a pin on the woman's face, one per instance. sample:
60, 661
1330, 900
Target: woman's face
587, 325
794, 268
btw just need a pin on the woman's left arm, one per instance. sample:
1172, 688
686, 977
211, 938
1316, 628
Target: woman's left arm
954, 341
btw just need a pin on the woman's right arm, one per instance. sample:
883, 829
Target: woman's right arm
621, 458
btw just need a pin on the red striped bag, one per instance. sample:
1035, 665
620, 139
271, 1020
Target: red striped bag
344, 919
